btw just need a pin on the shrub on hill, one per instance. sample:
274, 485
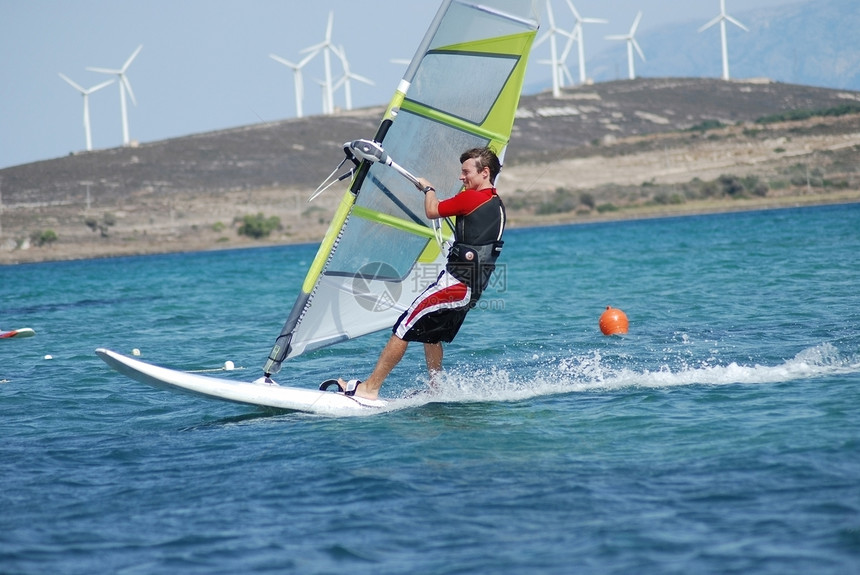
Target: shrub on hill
258, 226
795, 115
706, 125
108, 220
45, 237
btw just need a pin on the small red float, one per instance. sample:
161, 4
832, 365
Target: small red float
613, 321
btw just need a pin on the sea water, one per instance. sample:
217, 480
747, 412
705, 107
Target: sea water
720, 435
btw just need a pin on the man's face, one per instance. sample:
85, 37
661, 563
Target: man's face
472, 178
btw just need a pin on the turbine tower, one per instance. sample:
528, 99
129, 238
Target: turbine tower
123, 86
326, 47
324, 88
553, 48
631, 44
722, 19
297, 78
86, 95
347, 76
577, 31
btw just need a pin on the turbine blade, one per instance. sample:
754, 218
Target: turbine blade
104, 70
100, 86
315, 48
128, 87
616, 37
571, 40
638, 49
736, 23
75, 86
543, 38
573, 9
329, 27
362, 79
341, 55
283, 61
307, 59
636, 23
132, 57
567, 74
711, 23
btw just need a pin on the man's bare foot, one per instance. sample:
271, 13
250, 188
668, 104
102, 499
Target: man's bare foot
358, 389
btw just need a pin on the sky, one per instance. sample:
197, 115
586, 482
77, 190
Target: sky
205, 64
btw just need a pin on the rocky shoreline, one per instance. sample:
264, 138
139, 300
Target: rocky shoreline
203, 242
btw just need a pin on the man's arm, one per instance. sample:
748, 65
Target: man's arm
431, 201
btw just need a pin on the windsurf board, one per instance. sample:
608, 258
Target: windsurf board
17, 333
262, 392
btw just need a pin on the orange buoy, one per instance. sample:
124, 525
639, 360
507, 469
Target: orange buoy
613, 321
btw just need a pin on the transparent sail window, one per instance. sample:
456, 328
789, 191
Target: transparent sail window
480, 79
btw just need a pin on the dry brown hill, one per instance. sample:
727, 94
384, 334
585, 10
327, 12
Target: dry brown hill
608, 150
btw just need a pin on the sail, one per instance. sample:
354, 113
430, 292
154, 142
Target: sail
460, 91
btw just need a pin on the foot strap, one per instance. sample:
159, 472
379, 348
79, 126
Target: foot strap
330, 382
351, 386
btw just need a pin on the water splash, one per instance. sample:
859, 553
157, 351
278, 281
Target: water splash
592, 372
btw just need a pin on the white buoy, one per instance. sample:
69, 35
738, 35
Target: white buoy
228, 365
49, 356
135, 351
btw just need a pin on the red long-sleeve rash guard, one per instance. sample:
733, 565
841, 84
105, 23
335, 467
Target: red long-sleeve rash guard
465, 202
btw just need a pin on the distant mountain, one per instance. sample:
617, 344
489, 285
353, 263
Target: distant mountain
813, 43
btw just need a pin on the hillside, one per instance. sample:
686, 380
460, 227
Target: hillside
615, 149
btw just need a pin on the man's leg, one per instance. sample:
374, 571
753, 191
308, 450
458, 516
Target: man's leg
433, 354
391, 355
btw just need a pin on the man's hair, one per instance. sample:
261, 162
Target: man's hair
484, 158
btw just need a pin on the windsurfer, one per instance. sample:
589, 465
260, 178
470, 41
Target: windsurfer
437, 314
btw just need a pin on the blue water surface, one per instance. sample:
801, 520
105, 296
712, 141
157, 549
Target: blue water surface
721, 435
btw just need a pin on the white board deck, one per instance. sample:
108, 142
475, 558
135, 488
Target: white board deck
258, 392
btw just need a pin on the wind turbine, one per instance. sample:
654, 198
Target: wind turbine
563, 70
577, 31
297, 78
123, 86
722, 19
631, 44
553, 49
86, 95
326, 47
347, 76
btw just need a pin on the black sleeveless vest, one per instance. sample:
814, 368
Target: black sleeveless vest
477, 245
